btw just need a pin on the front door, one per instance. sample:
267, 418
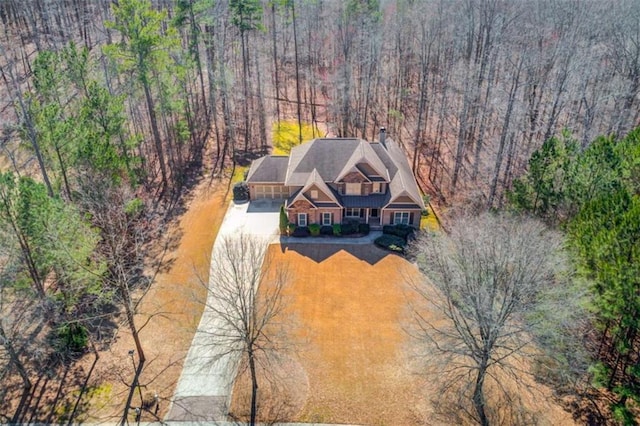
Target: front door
374, 212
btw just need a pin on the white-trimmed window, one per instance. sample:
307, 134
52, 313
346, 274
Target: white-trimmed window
376, 188
351, 212
327, 218
401, 218
352, 189
302, 219
314, 194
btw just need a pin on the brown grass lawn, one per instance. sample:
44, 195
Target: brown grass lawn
348, 307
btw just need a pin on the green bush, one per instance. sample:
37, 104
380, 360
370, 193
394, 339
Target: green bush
284, 220
291, 227
241, 191
400, 230
364, 228
348, 229
314, 228
134, 207
391, 242
301, 232
337, 229
326, 230
72, 337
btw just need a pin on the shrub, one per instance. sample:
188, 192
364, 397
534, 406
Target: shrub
241, 191
348, 229
134, 207
364, 228
337, 229
290, 228
400, 230
301, 231
391, 242
326, 230
72, 337
286, 135
314, 229
284, 220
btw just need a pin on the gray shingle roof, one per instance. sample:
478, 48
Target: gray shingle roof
403, 181
328, 156
369, 201
326, 160
404, 206
271, 169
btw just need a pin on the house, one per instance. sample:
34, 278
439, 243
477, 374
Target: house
336, 180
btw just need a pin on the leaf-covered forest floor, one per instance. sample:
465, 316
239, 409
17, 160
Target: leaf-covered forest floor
173, 305
171, 310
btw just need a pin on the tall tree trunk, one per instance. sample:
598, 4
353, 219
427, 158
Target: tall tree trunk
503, 136
245, 89
275, 60
478, 394
156, 132
23, 112
297, 64
254, 387
129, 311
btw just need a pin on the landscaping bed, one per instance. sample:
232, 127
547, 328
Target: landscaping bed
395, 237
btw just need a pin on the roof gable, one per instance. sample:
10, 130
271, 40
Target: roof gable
315, 180
403, 181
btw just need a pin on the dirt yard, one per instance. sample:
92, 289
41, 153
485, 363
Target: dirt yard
352, 360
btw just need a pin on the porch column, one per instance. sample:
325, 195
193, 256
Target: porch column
366, 218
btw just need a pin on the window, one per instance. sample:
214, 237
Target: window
314, 194
327, 218
401, 217
352, 189
376, 187
302, 219
352, 213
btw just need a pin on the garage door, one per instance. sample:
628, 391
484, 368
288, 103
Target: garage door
271, 191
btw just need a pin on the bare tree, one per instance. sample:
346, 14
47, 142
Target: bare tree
123, 225
487, 280
246, 299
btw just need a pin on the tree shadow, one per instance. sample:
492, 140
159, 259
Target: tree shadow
589, 407
60, 394
321, 252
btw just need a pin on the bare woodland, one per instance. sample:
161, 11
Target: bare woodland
469, 88
108, 109
488, 282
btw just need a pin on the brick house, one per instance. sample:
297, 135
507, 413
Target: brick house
335, 180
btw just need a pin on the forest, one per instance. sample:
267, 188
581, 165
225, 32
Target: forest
111, 109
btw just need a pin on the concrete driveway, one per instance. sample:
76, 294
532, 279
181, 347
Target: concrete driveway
204, 388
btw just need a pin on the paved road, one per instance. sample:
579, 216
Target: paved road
204, 388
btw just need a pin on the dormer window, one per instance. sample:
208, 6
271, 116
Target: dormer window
352, 189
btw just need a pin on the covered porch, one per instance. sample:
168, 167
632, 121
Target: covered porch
365, 209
